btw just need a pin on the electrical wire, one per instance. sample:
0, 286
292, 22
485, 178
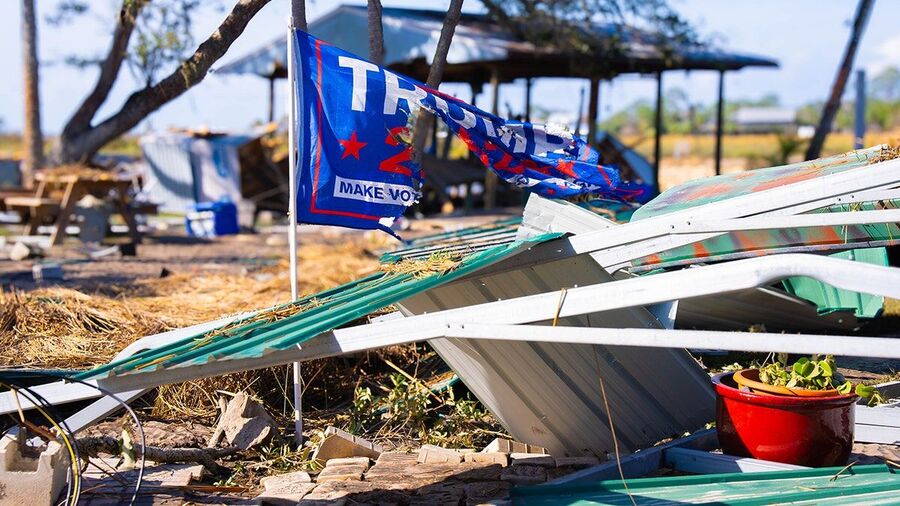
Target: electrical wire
37, 399
74, 487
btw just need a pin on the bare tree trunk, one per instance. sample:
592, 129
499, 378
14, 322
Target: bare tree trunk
863, 9
376, 33
436, 72
32, 138
81, 140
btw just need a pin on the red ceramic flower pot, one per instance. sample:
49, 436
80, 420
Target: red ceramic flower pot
807, 431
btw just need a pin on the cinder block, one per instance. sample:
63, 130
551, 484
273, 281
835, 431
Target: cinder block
431, 454
488, 458
533, 459
507, 446
339, 443
37, 481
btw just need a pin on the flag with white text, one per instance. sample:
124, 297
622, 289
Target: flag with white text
355, 159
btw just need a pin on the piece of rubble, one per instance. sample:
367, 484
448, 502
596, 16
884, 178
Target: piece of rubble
524, 475
487, 458
439, 493
349, 461
26, 480
486, 492
246, 423
21, 251
285, 489
335, 492
504, 445
534, 459
431, 454
342, 472
340, 443
577, 461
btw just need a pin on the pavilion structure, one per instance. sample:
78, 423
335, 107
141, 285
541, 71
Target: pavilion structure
485, 53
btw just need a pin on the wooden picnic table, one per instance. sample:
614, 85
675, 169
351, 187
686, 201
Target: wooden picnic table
75, 185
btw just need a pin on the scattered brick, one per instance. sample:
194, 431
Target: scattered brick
340, 443
508, 446
349, 461
487, 458
431, 454
524, 475
348, 472
533, 459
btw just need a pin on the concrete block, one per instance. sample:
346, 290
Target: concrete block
533, 459
508, 446
524, 475
339, 443
431, 454
487, 458
33, 481
335, 492
577, 461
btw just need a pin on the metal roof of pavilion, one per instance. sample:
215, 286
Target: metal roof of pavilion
480, 45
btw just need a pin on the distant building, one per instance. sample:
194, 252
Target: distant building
765, 120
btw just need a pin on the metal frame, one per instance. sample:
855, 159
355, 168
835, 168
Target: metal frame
509, 317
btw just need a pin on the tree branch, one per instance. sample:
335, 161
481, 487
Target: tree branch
109, 68
93, 446
83, 145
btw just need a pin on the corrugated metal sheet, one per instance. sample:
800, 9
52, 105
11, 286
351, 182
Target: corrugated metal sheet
548, 393
465, 240
871, 484
281, 328
775, 309
411, 35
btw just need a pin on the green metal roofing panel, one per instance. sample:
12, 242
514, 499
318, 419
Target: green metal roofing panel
283, 326
872, 484
468, 239
714, 189
829, 299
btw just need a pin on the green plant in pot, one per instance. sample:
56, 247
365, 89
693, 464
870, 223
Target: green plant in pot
807, 377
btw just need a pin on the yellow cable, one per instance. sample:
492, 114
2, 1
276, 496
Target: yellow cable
76, 472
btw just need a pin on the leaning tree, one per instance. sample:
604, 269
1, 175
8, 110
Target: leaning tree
150, 37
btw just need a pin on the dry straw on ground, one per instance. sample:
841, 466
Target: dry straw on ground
65, 328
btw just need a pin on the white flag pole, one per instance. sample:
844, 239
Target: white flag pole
292, 214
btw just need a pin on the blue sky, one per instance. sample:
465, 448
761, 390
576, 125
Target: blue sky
806, 36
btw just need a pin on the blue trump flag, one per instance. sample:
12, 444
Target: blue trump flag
355, 162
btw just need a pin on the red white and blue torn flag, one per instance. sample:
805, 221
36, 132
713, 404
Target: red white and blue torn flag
355, 159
